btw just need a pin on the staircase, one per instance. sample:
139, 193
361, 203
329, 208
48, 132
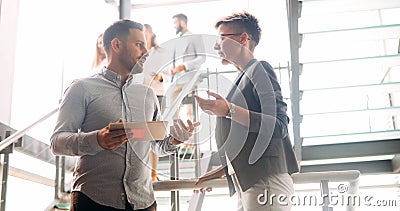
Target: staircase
348, 84
29, 168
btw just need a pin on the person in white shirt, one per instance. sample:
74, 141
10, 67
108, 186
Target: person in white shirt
188, 56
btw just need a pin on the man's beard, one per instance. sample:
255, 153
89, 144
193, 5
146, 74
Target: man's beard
179, 29
137, 69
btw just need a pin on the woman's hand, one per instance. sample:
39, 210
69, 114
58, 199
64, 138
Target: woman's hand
213, 174
219, 106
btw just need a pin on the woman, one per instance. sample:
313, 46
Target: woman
100, 57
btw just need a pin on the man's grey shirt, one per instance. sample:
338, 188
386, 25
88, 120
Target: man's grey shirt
109, 177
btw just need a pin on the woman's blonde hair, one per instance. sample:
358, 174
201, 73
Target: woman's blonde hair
99, 55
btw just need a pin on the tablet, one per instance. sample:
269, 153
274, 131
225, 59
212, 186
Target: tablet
143, 131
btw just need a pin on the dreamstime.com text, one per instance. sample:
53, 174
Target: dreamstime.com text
333, 199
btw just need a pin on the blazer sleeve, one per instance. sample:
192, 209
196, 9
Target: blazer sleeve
272, 120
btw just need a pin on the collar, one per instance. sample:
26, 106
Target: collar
241, 73
186, 34
115, 77
251, 62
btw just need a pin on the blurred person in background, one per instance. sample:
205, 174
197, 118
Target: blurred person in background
154, 79
99, 60
188, 55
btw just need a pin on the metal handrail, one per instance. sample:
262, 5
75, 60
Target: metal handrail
351, 176
15, 136
188, 184
332, 176
298, 178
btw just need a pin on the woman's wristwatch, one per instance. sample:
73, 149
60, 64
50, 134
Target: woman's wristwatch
231, 111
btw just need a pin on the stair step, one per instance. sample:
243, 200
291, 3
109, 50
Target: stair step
351, 137
377, 166
348, 150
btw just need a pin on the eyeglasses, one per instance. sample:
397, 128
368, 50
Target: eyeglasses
222, 36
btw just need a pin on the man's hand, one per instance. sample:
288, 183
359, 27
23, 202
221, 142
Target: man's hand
180, 132
157, 77
218, 107
177, 69
111, 140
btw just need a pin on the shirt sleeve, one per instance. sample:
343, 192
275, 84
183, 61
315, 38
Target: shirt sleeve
67, 138
164, 147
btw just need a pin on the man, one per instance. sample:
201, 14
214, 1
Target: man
251, 132
111, 171
190, 47
188, 56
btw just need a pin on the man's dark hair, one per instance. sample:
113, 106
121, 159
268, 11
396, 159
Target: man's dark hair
181, 16
119, 29
243, 20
